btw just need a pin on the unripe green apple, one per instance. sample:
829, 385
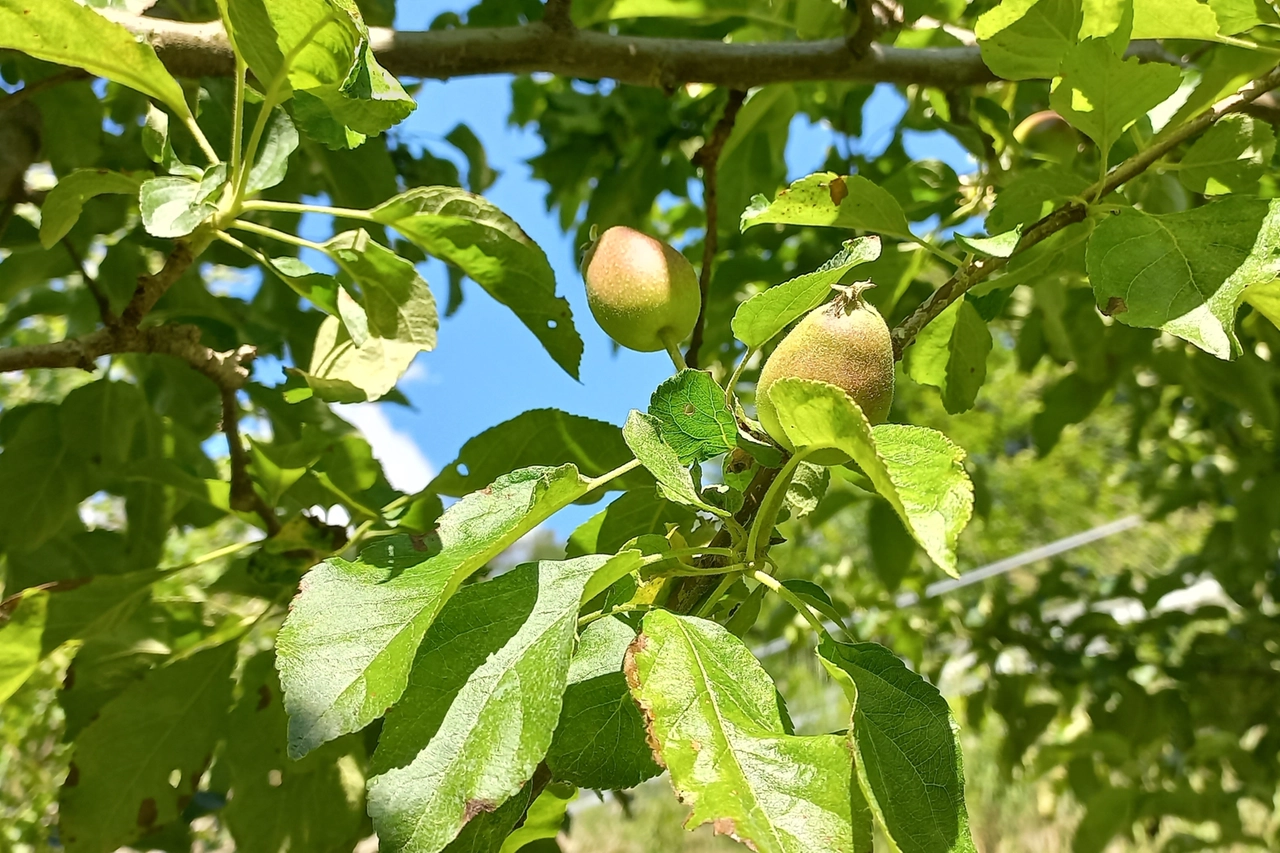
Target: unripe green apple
845, 343
1048, 136
643, 293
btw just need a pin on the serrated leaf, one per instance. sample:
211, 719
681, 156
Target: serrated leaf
694, 417
101, 605
1184, 272
1238, 16
174, 207
467, 231
65, 202
764, 315
1031, 195
1027, 39
316, 804
22, 622
643, 434
633, 514
951, 355
538, 437
67, 33
917, 470
345, 651
826, 198
318, 52
908, 757
1230, 157
1101, 94
714, 720
600, 740
499, 722
280, 142
398, 305
170, 721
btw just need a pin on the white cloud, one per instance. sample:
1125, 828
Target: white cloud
406, 467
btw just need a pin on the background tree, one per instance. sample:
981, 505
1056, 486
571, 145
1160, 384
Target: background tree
1111, 264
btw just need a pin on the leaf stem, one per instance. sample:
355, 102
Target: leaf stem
770, 506
737, 374
292, 207
237, 121
704, 609
584, 621
673, 349
282, 236
597, 482
794, 600
203, 141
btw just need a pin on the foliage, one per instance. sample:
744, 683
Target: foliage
412, 688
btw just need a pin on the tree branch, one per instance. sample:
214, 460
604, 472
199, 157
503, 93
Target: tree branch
979, 270
708, 159
99, 298
151, 287
244, 497
201, 50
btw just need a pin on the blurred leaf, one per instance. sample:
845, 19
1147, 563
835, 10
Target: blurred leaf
65, 202
479, 174
1230, 157
632, 514
1169, 19
41, 482
951, 354
1028, 39
22, 623
168, 722
1102, 94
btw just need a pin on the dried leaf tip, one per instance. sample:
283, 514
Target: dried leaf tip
849, 296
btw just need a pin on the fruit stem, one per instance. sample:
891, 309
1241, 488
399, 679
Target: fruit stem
673, 349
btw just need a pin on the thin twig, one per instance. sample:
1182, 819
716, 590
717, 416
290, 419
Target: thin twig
708, 159
244, 497
558, 14
152, 287
104, 304
980, 269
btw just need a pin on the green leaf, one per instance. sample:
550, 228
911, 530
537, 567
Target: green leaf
643, 434
917, 470
600, 740
1265, 298
342, 372
826, 198
439, 771
345, 651
1230, 157
398, 305
908, 756
317, 288
22, 621
318, 52
170, 721
808, 485
545, 819
753, 158
174, 207
1174, 19
99, 606
279, 143
100, 422
1027, 39
951, 355
817, 598
714, 719
633, 514
41, 482
1184, 272
67, 33
1101, 94
764, 315
1238, 16
479, 174
694, 417
999, 246
65, 202
1031, 195
538, 437
315, 804
467, 231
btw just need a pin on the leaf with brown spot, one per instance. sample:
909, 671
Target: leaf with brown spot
1115, 305
714, 717
839, 191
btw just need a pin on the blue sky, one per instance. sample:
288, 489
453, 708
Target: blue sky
487, 368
